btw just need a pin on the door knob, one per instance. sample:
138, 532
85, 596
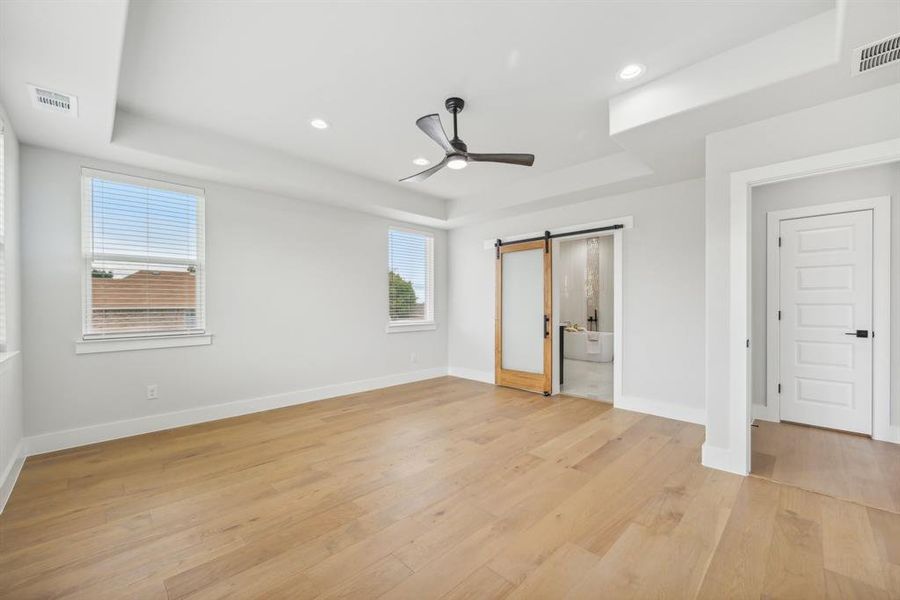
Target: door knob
863, 333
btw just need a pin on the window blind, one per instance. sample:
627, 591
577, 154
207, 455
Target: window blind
410, 276
143, 257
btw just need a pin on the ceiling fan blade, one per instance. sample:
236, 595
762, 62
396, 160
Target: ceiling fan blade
525, 160
426, 173
431, 125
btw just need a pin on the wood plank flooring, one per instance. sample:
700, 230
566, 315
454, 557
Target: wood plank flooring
440, 489
843, 465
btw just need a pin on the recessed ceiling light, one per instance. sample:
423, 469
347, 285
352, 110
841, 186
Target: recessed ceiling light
421, 161
319, 123
632, 71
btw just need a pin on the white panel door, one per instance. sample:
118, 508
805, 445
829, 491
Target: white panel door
826, 324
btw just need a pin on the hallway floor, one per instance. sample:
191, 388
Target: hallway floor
842, 465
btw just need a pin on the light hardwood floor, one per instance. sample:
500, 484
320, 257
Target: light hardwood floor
440, 489
838, 464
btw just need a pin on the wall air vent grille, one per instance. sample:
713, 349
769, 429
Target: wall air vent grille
53, 101
876, 55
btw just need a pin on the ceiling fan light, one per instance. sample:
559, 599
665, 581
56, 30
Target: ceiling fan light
457, 163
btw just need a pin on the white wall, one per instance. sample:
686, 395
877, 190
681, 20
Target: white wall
11, 396
662, 292
296, 300
846, 123
605, 266
882, 180
572, 264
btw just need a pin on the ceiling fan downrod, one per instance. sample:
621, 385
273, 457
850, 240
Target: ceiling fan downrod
454, 107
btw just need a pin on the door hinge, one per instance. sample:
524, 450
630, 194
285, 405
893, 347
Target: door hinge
779, 241
497, 248
779, 388
546, 242
779, 315
748, 342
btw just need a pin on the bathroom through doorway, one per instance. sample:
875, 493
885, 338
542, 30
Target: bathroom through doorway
587, 317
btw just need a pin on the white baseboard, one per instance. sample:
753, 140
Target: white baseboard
71, 438
765, 413
473, 374
668, 410
11, 474
721, 459
891, 433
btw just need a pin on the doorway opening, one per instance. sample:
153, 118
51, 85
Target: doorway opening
820, 320
528, 295
733, 424
587, 317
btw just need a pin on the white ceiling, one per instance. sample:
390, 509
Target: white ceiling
536, 76
226, 90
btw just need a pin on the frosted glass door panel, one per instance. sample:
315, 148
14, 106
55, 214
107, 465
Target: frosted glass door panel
523, 311
522, 349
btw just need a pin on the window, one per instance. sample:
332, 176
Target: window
410, 280
143, 257
3, 341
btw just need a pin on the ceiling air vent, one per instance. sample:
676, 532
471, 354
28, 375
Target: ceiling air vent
876, 55
53, 101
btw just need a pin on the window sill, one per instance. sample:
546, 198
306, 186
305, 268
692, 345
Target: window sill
141, 343
417, 326
6, 356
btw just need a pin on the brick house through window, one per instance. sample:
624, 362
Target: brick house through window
145, 300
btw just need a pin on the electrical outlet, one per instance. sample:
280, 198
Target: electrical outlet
152, 391
413, 358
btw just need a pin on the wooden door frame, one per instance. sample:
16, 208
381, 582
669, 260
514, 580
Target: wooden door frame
520, 379
881, 283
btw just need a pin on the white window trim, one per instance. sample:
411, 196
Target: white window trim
91, 344
403, 327
143, 181
7, 356
428, 324
4, 298
123, 344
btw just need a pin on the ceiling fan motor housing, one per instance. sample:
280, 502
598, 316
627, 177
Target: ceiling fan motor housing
454, 105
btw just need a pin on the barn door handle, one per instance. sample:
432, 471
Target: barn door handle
546, 326
864, 333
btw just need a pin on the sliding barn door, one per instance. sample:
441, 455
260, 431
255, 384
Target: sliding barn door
523, 343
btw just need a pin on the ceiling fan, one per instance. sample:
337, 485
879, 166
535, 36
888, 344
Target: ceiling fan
457, 153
